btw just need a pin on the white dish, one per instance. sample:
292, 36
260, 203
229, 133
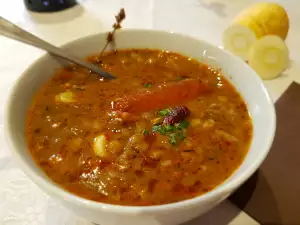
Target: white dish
241, 75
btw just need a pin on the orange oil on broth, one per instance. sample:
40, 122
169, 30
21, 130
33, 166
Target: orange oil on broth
138, 169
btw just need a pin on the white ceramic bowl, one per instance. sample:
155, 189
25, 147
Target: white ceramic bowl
241, 75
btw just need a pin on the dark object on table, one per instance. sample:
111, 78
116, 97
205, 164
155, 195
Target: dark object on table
48, 5
272, 195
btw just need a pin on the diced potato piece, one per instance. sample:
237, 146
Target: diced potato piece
97, 125
195, 122
209, 123
114, 147
226, 136
166, 163
75, 143
188, 143
100, 145
156, 154
137, 142
66, 97
222, 98
189, 181
200, 153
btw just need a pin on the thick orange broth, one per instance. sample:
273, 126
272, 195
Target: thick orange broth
167, 129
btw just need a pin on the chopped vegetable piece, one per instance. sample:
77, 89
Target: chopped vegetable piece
157, 121
226, 136
145, 132
166, 163
176, 138
100, 145
114, 147
156, 154
147, 85
182, 125
163, 130
156, 128
66, 97
209, 123
195, 122
164, 112
180, 136
181, 78
169, 128
173, 140
162, 96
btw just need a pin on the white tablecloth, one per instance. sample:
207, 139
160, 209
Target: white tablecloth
21, 201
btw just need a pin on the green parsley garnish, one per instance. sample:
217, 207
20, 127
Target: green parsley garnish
147, 85
164, 112
169, 128
180, 78
180, 136
145, 132
176, 138
172, 139
174, 132
159, 128
182, 125
156, 128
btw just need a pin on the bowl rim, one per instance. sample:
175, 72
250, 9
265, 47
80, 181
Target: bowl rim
60, 193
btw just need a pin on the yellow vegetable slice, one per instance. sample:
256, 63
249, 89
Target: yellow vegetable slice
269, 56
66, 97
253, 23
238, 40
100, 145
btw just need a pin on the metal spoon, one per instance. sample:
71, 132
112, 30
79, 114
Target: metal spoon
12, 31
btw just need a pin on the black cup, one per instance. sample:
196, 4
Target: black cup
48, 5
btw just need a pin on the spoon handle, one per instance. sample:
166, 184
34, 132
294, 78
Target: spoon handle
12, 31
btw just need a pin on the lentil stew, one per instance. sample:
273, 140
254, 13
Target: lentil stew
167, 129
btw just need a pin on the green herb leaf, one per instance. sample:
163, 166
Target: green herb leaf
182, 125
145, 132
180, 136
175, 138
164, 112
169, 128
172, 139
163, 130
147, 85
156, 128
159, 128
180, 78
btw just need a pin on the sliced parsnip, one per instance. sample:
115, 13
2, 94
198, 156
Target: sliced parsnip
66, 97
100, 146
269, 56
238, 40
259, 20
